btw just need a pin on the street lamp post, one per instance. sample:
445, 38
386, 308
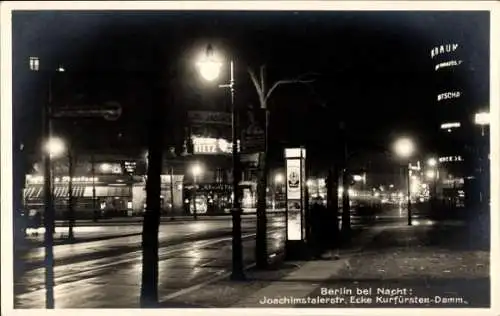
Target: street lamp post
404, 148
210, 70
34, 63
196, 170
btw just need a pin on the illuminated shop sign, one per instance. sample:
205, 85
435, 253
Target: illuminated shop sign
441, 49
454, 181
130, 166
449, 95
482, 118
206, 145
39, 179
451, 63
110, 168
450, 159
450, 125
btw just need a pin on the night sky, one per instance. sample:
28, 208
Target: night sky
373, 70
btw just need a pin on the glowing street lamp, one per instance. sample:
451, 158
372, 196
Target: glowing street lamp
105, 167
278, 179
404, 148
55, 147
432, 162
209, 66
196, 170
430, 174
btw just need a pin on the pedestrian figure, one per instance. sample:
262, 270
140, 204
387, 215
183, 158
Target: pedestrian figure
316, 226
37, 222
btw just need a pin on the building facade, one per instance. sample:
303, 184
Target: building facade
459, 147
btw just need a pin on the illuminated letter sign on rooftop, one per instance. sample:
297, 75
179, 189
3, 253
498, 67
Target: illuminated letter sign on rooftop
449, 95
482, 118
441, 49
450, 159
450, 63
450, 125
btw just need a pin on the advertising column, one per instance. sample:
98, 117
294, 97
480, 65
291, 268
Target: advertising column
295, 206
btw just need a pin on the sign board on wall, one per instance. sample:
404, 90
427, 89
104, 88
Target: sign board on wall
211, 146
209, 117
253, 135
293, 179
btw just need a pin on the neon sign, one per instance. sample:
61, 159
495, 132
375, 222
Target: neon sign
441, 49
450, 125
450, 159
449, 95
206, 145
451, 63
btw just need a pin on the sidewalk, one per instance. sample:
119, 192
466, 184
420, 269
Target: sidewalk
226, 293
438, 266
82, 234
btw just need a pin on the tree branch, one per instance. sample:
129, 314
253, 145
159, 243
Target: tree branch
284, 82
257, 86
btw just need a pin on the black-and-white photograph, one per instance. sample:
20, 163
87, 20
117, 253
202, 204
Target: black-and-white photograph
264, 158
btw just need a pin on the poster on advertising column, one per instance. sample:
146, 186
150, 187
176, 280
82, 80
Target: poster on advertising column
294, 199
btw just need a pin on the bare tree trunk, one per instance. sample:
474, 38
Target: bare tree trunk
151, 223
261, 240
71, 210
346, 207
332, 203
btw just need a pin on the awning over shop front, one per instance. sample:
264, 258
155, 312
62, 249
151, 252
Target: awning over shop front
60, 191
79, 191
33, 192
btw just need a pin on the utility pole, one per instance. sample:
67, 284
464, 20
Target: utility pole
49, 207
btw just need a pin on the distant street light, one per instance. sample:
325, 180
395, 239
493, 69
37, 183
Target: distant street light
55, 147
279, 178
404, 148
430, 174
432, 162
357, 177
196, 170
105, 167
210, 68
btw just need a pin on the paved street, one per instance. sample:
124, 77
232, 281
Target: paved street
90, 274
190, 253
